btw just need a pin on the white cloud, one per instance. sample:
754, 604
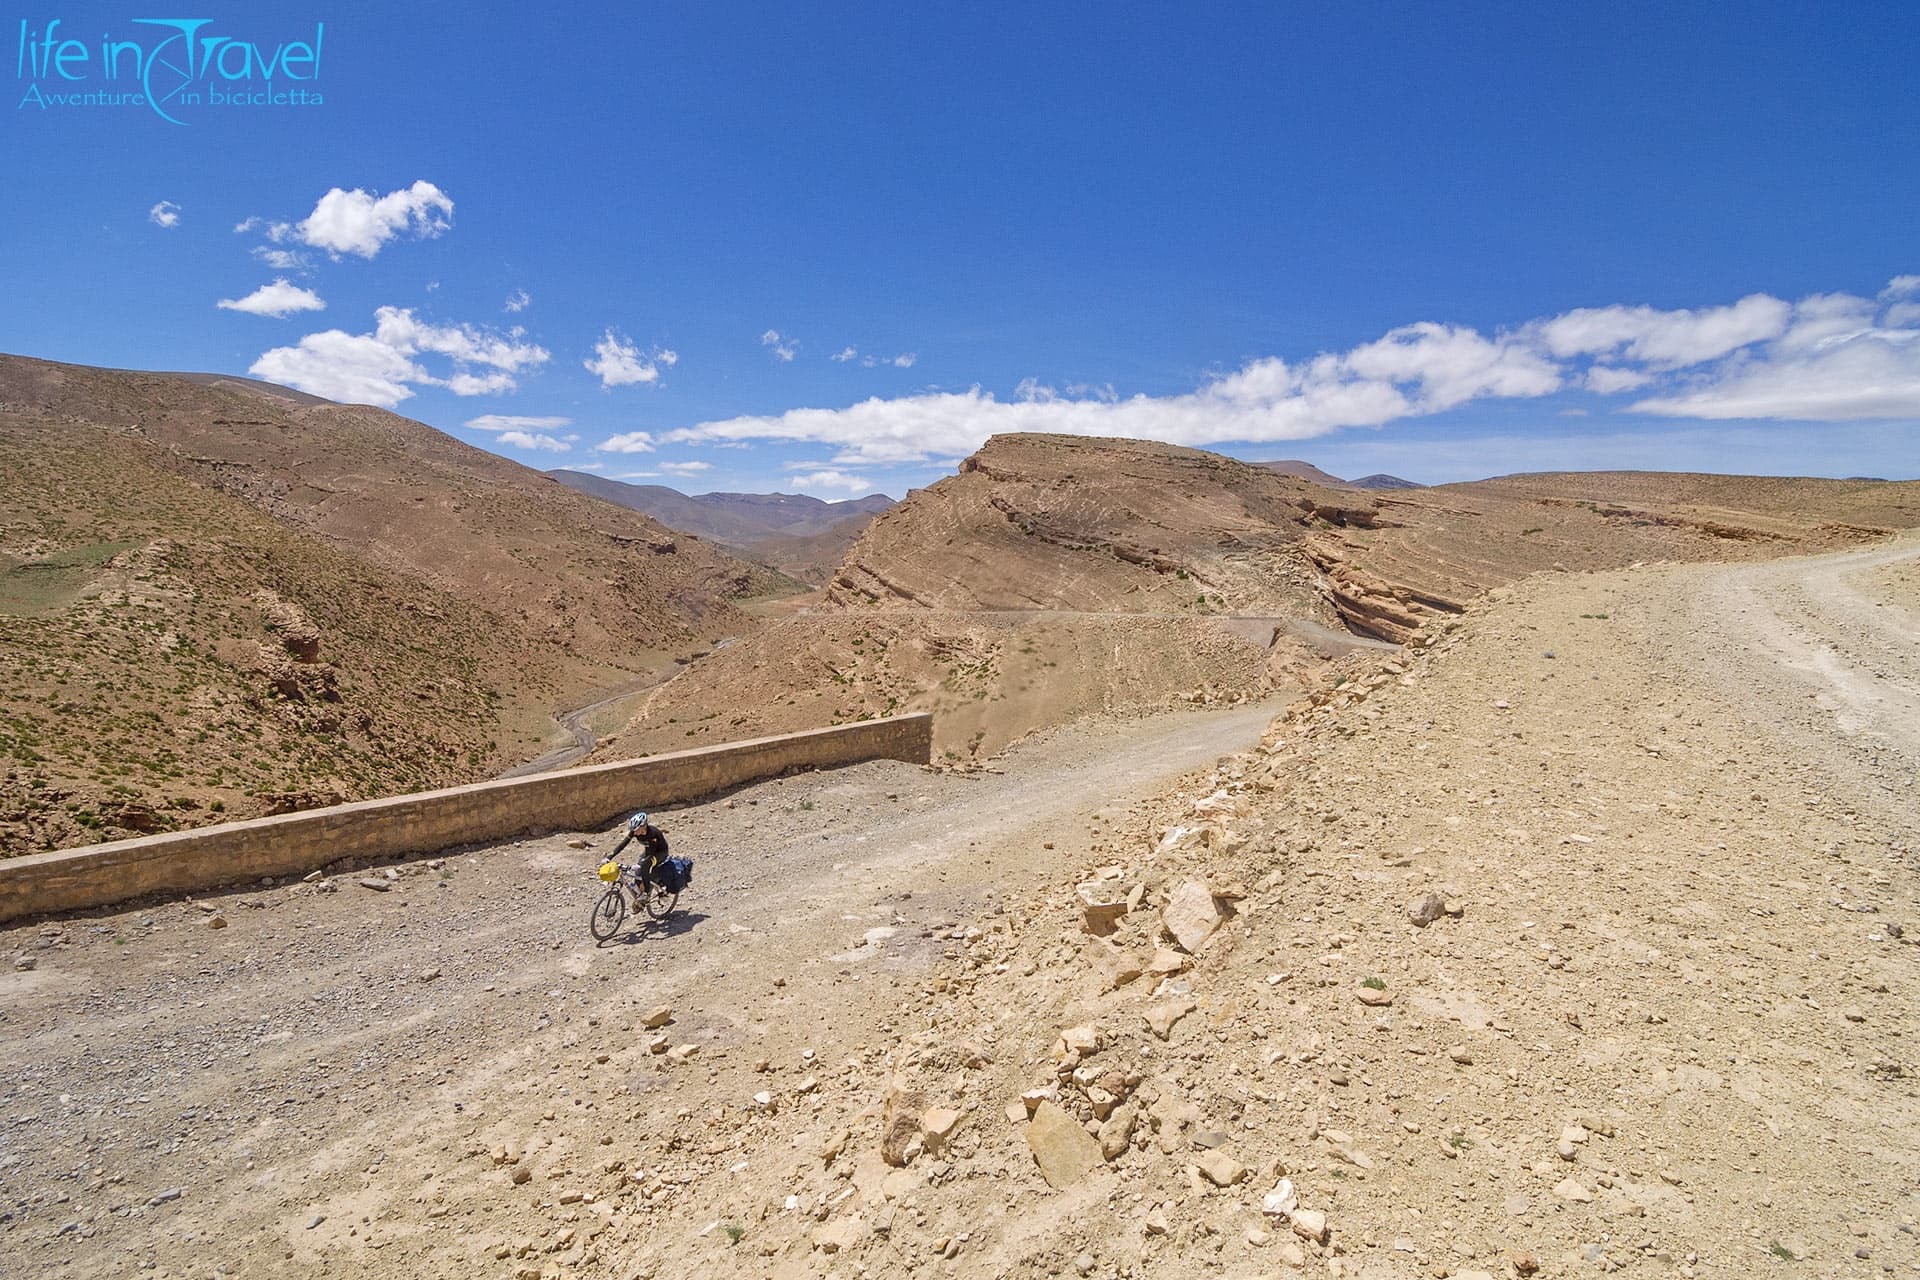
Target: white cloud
354, 369
361, 223
628, 442
278, 299
635, 475
844, 354
831, 480
165, 214
685, 468
619, 363
280, 259
519, 300
380, 368
1829, 357
1608, 379
1668, 339
783, 348
511, 422
905, 361
534, 440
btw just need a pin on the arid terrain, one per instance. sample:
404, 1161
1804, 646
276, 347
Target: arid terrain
220, 598
1570, 940
1055, 577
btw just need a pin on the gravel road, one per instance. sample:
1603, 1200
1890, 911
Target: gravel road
226, 1086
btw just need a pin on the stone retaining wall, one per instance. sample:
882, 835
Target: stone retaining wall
567, 800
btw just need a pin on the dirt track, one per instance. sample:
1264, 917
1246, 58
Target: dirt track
273, 1070
1678, 805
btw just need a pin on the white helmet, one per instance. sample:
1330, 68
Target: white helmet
636, 822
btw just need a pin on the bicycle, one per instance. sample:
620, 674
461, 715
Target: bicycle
626, 881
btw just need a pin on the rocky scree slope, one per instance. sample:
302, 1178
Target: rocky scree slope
1519, 954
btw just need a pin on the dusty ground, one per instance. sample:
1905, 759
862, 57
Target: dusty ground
1668, 1031
297, 1063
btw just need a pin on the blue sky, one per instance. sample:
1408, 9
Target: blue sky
832, 248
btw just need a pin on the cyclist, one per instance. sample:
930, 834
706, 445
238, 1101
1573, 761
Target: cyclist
653, 844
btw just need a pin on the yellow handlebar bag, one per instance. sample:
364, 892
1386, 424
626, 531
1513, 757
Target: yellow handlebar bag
609, 871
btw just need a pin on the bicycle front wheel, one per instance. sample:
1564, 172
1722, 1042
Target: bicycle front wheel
608, 913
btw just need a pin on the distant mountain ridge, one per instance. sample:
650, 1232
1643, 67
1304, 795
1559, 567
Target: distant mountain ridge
1300, 470
799, 535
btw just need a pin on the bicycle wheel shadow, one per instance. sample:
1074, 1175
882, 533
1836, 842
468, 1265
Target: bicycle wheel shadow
680, 922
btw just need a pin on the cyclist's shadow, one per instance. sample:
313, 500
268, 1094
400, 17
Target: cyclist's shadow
648, 930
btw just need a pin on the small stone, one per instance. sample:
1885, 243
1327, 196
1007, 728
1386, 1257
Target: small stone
1259, 1237
167, 1196
1280, 1201
1425, 909
26, 963
1565, 1150
1374, 996
1568, 1189
1101, 918
1221, 1169
1461, 1055
520, 1176
577, 843
1191, 915
374, 883
1290, 1254
682, 1052
657, 1017
659, 1043
1084, 1264
1078, 1041
430, 975
938, 1125
1161, 1017
1309, 1224
1156, 1222
216, 922
1854, 1013
1064, 1151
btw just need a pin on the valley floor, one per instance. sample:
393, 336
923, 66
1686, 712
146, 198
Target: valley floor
1668, 1031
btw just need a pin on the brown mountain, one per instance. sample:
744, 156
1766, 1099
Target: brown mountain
801, 536
1303, 471
215, 592
1381, 480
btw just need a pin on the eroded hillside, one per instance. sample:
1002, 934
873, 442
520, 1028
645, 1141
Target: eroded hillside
218, 599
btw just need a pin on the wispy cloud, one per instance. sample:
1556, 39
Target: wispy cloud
519, 300
383, 367
165, 214
619, 363
279, 299
514, 422
1825, 358
685, 468
831, 480
361, 223
783, 348
627, 442
903, 361
536, 440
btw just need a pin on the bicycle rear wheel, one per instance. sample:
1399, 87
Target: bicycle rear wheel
658, 903
608, 913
